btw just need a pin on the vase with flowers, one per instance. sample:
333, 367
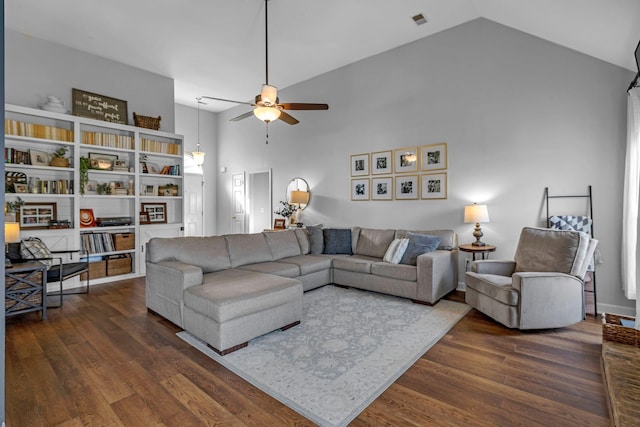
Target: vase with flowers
287, 211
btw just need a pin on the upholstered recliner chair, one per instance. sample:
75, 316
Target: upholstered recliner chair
541, 288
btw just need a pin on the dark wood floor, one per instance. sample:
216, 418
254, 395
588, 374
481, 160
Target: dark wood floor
103, 360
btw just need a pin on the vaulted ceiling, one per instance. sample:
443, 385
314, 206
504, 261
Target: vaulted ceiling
216, 47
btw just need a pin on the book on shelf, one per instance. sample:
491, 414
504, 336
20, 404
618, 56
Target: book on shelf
34, 130
107, 140
15, 156
159, 146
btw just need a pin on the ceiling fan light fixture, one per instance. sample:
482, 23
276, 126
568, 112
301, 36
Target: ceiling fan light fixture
266, 114
269, 95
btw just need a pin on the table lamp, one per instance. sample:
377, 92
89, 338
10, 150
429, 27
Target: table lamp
476, 213
11, 235
299, 197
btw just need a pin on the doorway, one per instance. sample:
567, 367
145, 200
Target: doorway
259, 203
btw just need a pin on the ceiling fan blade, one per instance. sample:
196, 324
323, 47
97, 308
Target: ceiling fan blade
287, 118
242, 116
303, 106
227, 100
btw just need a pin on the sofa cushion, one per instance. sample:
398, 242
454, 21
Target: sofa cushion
355, 263
208, 253
419, 244
395, 271
247, 249
229, 294
448, 238
494, 286
374, 243
283, 244
274, 267
395, 251
309, 263
303, 240
316, 239
337, 241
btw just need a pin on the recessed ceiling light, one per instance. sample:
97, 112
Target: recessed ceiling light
419, 19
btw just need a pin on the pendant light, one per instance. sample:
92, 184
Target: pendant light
198, 156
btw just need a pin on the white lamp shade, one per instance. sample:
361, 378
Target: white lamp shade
269, 95
266, 114
198, 157
299, 197
476, 213
11, 232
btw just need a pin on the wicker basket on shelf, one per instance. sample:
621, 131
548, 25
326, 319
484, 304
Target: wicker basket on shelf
146, 121
612, 330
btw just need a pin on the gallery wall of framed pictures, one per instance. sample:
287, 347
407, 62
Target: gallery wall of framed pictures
408, 173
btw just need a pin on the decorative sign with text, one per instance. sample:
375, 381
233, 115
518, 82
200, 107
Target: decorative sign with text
100, 107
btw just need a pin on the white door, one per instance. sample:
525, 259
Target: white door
193, 205
258, 195
237, 203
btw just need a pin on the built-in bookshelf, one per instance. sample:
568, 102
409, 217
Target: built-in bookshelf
113, 172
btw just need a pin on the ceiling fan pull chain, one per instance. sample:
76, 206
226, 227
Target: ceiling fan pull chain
267, 131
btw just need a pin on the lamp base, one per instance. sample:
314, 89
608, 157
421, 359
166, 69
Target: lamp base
477, 233
478, 243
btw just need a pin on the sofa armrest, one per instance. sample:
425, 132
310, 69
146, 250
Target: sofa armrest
548, 300
165, 284
437, 274
497, 267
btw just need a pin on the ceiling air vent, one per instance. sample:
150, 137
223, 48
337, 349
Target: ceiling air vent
419, 19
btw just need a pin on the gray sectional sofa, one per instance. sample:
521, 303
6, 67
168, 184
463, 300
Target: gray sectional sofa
227, 290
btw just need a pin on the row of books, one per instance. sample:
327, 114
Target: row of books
159, 146
16, 127
95, 243
11, 155
108, 140
60, 186
170, 170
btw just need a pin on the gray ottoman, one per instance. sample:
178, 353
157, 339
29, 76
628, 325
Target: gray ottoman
232, 307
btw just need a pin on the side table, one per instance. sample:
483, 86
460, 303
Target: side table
482, 250
25, 288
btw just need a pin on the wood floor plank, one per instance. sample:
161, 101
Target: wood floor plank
102, 359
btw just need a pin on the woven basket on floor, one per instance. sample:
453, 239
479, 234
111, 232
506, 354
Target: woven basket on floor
612, 330
146, 121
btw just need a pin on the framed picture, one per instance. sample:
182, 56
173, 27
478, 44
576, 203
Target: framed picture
11, 178
360, 189
406, 160
381, 163
382, 188
149, 190
144, 218
434, 186
20, 188
100, 107
102, 161
36, 216
433, 157
38, 158
121, 163
157, 212
91, 187
360, 164
279, 224
86, 218
406, 187
168, 190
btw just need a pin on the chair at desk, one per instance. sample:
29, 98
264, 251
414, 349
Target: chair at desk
58, 271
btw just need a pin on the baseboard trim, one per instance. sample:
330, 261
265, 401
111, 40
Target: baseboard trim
616, 309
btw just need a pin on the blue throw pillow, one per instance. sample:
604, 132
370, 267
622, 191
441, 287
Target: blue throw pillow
419, 244
337, 241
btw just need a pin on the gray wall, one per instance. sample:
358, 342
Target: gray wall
35, 68
518, 113
187, 125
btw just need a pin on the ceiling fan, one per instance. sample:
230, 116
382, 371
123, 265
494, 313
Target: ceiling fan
267, 104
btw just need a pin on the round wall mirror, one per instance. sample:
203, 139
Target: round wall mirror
295, 193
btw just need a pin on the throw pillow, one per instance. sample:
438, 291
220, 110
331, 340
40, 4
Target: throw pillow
34, 248
396, 250
316, 240
337, 241
419, 244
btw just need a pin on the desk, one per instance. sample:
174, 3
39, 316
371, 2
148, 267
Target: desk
483, 250
25, 287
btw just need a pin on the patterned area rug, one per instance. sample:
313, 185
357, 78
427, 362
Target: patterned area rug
350, 346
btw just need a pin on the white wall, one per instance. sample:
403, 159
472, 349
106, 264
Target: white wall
518, 113
36, 68
187, 125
